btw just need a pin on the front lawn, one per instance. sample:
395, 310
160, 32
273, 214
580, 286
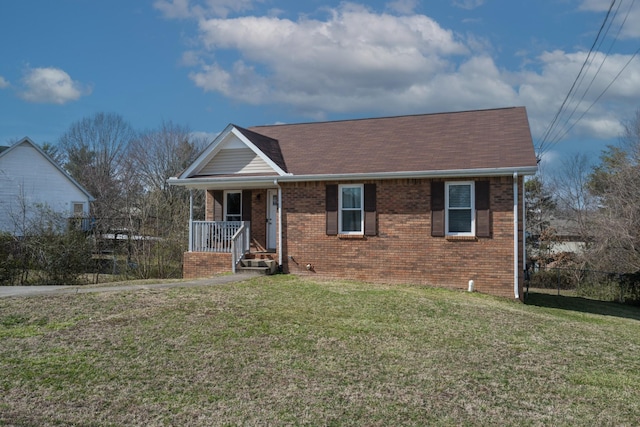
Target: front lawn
283, 350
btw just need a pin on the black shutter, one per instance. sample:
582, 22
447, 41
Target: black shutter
483, 212
332, 209
370, 226
437, 209
246, 205
218, 205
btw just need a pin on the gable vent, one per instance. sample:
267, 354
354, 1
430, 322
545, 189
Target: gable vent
236, 160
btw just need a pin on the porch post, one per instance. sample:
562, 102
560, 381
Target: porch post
190, 219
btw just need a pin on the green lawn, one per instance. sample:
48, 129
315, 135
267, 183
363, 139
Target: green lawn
281, 350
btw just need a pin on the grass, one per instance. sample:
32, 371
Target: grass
282, 350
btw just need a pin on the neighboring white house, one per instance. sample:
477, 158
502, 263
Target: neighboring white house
30, 179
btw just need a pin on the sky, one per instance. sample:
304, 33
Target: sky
203, 64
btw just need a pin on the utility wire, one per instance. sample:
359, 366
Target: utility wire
554, 139
542, 148
601, 94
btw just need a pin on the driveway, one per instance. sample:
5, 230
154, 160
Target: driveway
24, 291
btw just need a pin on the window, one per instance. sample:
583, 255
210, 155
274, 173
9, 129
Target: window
459, 208
350, 209
78, 209
233, 206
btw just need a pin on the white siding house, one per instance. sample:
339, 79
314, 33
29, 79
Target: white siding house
30, 179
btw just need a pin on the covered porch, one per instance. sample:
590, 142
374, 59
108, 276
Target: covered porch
239, 225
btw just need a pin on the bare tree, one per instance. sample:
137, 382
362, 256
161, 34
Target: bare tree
616, 184
154, 156
94, 150
576, 204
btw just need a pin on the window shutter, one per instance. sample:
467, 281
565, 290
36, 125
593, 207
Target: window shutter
370, 226
437, 209
483, 213
332, 209
246, 205
218, 205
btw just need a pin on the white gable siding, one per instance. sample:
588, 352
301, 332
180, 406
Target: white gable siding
28, 179
235, 160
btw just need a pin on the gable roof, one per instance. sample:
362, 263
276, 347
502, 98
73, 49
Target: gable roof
498, 138
27, 141
480, 142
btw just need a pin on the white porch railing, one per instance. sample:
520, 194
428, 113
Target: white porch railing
239, 245
218, 236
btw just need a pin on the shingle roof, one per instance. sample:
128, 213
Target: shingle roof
268, 146
498, 138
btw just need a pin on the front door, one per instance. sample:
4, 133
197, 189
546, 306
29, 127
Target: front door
272, 218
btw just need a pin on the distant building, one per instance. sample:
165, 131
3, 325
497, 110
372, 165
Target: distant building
30, 181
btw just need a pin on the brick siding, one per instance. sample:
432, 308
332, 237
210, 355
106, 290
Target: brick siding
403, 250
205, 264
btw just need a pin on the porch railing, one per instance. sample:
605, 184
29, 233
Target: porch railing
218, 236
239, 245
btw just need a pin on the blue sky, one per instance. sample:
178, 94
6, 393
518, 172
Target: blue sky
207, 63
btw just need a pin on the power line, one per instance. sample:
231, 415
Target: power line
593, 78
542, 147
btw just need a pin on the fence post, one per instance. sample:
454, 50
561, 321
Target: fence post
558, 275
621, 287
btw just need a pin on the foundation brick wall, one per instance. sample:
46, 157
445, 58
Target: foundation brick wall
205, 264
403, 250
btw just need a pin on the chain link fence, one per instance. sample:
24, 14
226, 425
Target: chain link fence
594, 284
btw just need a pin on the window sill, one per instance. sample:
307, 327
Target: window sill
351, 236
461, 238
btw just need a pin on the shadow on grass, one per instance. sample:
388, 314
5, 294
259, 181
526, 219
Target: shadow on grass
583, 305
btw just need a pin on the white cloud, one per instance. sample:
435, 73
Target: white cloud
626, 14
351, 60
598, 104
181, 9
51, 85
3, 83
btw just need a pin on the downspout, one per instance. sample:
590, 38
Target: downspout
190, 219
524, 232
275, 181
516, 290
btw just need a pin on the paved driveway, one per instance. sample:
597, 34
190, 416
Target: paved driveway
23, 291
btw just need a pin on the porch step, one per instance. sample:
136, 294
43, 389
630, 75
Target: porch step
258, 266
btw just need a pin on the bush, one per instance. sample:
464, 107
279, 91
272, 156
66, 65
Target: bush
552, 279
60, 258
10, 260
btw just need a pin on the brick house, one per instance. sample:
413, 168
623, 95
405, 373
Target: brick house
434, 199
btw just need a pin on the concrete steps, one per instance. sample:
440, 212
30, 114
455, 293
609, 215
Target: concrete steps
257, 266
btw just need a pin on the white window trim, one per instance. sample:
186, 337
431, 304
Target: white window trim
472, 207
361, 187
226, 212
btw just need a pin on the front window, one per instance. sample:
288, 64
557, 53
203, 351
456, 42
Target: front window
351, 198
459, 208
233, 206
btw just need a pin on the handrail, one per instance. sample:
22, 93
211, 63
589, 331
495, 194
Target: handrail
238, 248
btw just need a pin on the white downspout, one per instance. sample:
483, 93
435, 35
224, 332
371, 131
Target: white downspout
275, 181
190, 219
524, 231
516, 267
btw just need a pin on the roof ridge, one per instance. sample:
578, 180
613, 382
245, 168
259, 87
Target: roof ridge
380, 118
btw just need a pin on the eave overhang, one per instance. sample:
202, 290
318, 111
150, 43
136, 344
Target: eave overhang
243, 182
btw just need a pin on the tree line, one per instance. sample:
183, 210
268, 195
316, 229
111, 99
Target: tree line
598, 204
138, 224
